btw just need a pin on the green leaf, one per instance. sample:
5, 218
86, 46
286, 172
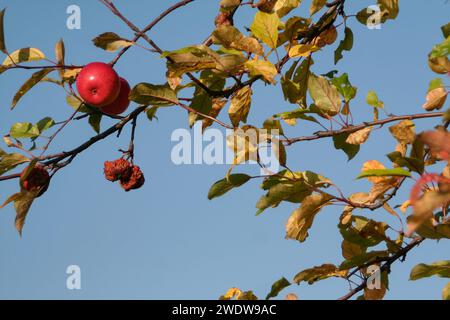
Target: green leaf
435, 84
240, 106
446, 30
111, 42
94, 121
316, 6
372, 100
45, 124
345, 44
155, 95
439, 268
24, 130
302, 218
223, 186
24, 55
325, 95
344, 87
201, 102
396, 172
295, 83
9, 161
2, 32
30, 83
277, 287
76, 104
151, 113
265, 28
340, 143
441, 50
262, 68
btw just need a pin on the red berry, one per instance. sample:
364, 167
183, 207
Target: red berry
98, 84
121, 103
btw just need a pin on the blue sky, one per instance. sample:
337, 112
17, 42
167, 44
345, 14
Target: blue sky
166, 240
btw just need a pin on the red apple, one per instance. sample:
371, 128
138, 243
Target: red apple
98, 84
122, 101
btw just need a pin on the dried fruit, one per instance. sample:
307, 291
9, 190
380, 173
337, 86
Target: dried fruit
135, 181
117, 169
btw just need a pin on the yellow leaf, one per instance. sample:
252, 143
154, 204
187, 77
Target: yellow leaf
359, 137
435, 99
302, 50
24, 55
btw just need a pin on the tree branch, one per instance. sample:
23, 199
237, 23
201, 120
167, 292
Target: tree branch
351, 129
401, 254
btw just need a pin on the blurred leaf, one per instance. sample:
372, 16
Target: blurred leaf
24, 130
155, 95
24, 55
396, 172
151, 113
439, 268
345, 44
316, 5
240, 106
30, 83
302, 218
277, 287
372, 100
446, 30
404, 132
237, 294
111, 42
265, 28
446, 292
283, 7
427, 230
223, 186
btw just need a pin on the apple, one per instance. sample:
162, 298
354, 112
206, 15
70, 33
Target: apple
37, 178
121, 103
98, 84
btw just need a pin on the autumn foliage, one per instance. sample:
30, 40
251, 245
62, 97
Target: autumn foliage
218, 74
